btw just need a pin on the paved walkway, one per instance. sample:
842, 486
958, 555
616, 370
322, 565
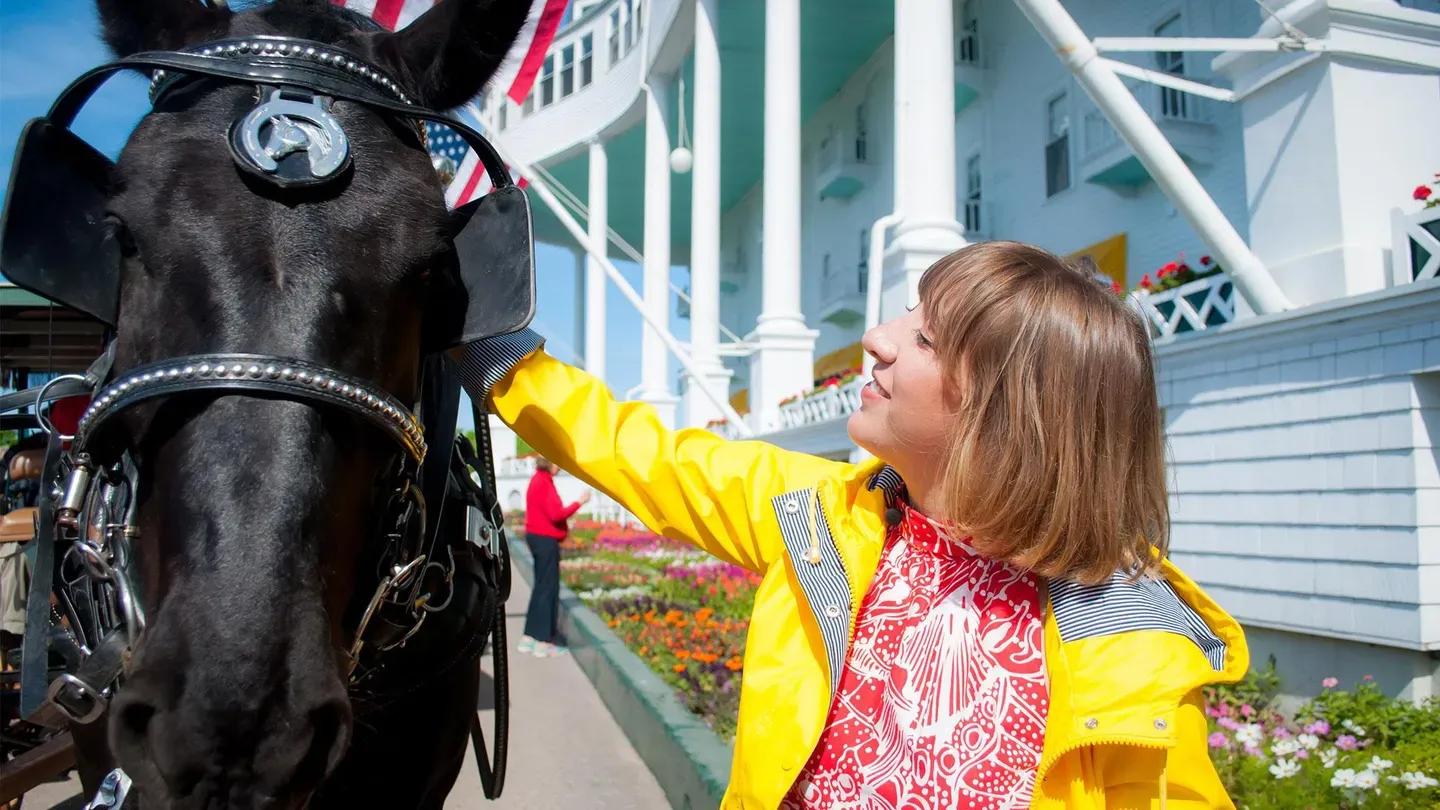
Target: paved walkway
566, 752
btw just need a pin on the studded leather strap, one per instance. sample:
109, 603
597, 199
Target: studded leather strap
287, 377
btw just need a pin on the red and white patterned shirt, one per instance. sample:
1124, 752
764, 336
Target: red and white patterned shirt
943, 698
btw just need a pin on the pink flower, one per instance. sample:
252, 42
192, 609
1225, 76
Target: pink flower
1247, 711
1253, 751
1281, 734
1213, 712
1345, 742
1319, 728
1218, 740
1369, 677
1227, 723
1302, 754
1330, 683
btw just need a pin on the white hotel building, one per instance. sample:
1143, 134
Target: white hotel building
807, 159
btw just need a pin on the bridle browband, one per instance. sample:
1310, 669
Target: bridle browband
92, 514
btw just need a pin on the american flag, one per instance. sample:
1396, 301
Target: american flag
518, 72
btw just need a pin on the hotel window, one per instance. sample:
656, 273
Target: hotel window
967, 35
863, 266
861, 146
528, 108
587, 59
1173, 103
629, 25
502, 114
1057, 145
547, 82
614, 37
567, 70
972, 194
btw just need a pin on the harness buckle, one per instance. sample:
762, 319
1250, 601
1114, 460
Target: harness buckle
76, 699
112, 792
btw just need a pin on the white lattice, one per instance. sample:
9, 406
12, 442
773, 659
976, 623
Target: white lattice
1176, 311
832, 402
1416, 248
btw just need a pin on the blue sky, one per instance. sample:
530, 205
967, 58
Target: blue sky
45, 44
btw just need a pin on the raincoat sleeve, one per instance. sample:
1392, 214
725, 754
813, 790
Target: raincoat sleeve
689, 485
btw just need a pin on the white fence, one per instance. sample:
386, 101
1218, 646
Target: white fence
833, 402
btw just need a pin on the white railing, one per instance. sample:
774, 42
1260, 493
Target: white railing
1190, 307
516, 467
1160, 103
831, 402
1415, 255
604, 509
723, 428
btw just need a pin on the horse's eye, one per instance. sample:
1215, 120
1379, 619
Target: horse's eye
116, 228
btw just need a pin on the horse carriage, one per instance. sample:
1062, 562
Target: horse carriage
262, 570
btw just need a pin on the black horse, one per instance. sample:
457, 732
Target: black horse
255, 514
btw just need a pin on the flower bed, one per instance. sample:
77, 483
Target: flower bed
1343, 749
681, 611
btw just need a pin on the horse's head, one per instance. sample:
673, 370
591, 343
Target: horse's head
255, 512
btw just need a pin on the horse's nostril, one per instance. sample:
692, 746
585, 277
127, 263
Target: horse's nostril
133, 719
330, 724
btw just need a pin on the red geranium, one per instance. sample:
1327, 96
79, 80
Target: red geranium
1146, 282
1422, 192
1204, 261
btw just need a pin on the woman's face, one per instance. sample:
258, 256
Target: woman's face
903, 418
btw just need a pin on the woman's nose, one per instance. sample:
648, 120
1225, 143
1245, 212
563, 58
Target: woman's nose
877, 344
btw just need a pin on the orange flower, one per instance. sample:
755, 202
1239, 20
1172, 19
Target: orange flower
682, 654
734, 664
679, 667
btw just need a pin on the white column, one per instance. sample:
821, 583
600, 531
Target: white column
577, 338
784, 358
1333, 143
705, 222
924, 148
654, 361
595, 287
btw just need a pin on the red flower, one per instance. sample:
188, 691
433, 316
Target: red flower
1204, 261
1146, 282
1422, 192
1115, 285
1172, 267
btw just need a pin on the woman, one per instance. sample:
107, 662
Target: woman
546, 526
982, 616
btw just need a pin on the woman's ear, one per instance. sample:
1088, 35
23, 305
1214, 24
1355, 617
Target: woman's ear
446, 55
133, 26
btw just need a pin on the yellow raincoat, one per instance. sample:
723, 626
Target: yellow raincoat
1126, 662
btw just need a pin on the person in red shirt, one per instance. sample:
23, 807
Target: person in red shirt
546, 519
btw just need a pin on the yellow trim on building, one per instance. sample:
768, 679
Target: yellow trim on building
1109, 256
840, 360
740, 401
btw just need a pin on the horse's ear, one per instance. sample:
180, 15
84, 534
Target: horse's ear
132, 26
448, 53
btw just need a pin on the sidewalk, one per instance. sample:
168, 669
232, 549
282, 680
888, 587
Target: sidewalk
566, 752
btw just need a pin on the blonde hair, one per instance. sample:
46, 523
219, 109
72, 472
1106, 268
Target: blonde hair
1056, 462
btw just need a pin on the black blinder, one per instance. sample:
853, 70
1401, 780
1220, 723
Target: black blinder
53, 239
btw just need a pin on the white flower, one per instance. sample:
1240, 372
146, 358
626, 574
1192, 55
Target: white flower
1343, 778
1380, 765
1250, 735
1285, 768
1308, 741
1415, 780
1286, 747
1350, 726
1328, 757
1366, 779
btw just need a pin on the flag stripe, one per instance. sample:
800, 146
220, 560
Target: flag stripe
387, 12
544, 35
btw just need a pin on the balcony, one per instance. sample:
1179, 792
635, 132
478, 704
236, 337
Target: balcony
842, 296
972, 74
1185, 120
823, 405
1190, 307
842, 168
1416, 252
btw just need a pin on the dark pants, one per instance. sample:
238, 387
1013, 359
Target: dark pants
543, 614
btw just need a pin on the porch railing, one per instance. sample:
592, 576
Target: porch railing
1189, 307
831, 402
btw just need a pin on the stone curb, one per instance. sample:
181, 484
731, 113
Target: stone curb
691, 763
